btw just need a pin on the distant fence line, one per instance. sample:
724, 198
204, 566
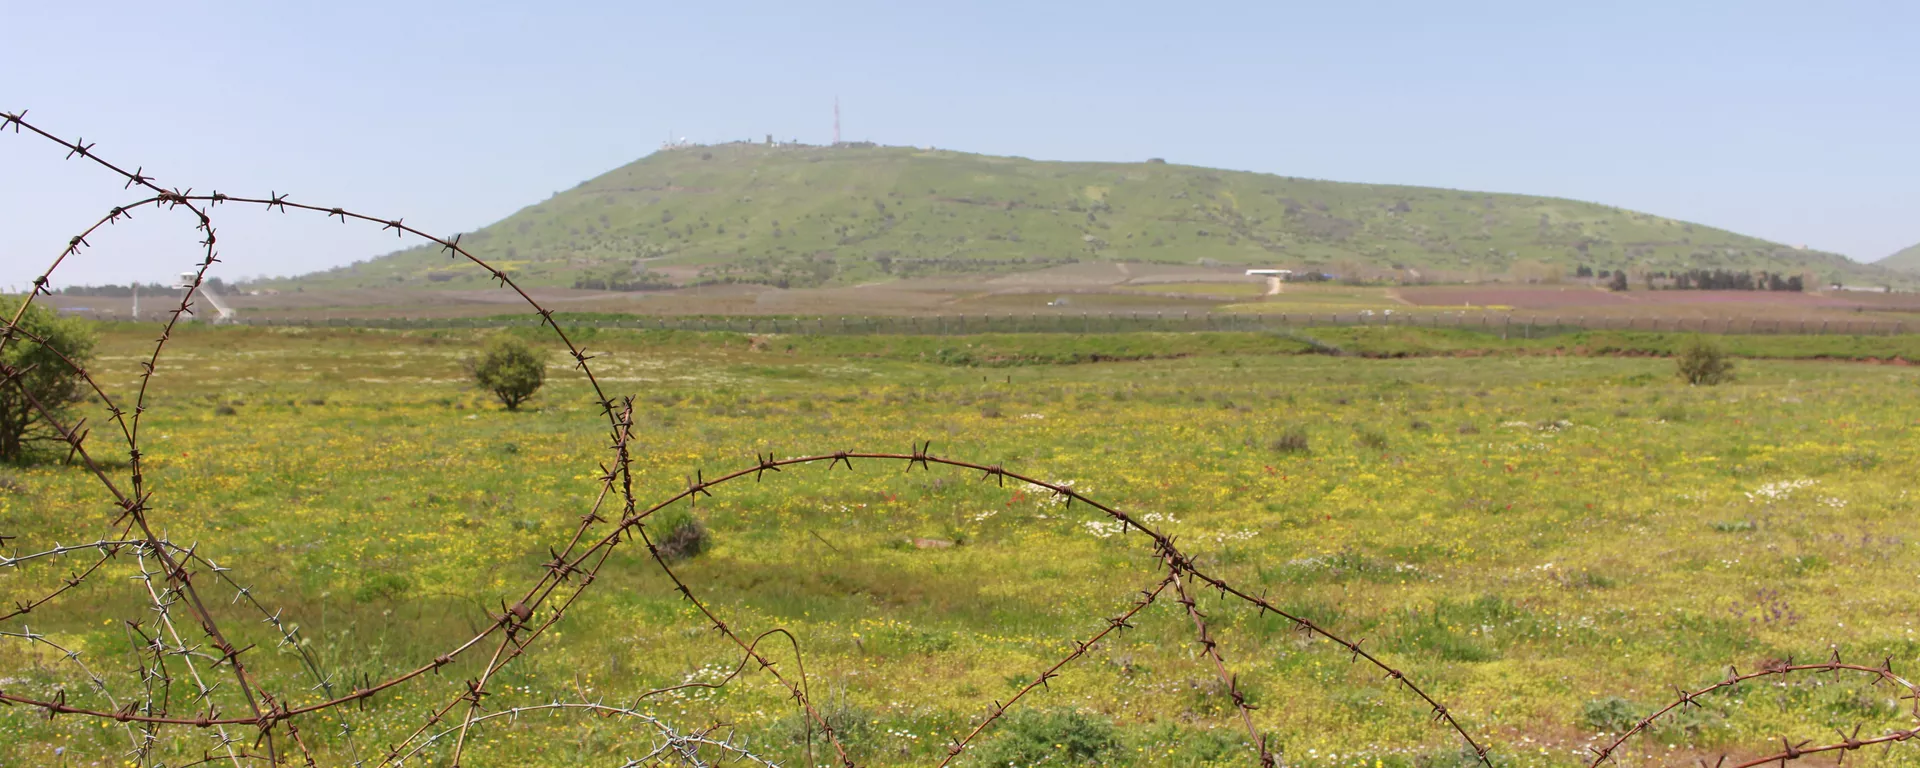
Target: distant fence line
1508, 326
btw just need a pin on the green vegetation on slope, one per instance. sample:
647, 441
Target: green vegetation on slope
1906, 260
799, 216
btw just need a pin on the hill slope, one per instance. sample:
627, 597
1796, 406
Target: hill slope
1907, 260
807, 215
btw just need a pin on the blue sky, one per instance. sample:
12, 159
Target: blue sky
1790, 121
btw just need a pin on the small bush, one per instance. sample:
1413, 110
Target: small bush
1584, 580
1292, 441
1690, 725
224, 410
1703, 362
853, 726
509, 368
1052, 737
43, 378
1610, 715
1177, 747
381, 586
682, 537
1448, 757
1858, 459
1370, 440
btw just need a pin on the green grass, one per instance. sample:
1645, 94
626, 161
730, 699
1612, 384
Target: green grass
812, 216
1578, 544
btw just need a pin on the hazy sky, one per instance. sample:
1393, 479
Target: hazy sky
1793, 121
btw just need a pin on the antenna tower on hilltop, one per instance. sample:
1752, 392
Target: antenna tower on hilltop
836, 121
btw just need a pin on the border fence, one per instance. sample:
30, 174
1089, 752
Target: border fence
1507, 325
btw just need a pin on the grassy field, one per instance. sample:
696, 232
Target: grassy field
1548, 534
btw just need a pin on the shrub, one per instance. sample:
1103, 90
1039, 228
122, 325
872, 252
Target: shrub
381, 586
1611, 715
509, 368
44, 379
1371, 440
1051, 737
1177, 747
1704, 362
853, 725
683, 536
1292, 441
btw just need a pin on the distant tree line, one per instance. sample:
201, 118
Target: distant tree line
1734, 280
1702, 279
892, 263
642, 282
122, 291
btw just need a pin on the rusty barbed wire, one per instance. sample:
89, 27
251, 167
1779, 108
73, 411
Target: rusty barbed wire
1212, 651
1690, 698
168, 658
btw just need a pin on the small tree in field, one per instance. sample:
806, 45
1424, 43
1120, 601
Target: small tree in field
1704, 362
33, 378
509, 368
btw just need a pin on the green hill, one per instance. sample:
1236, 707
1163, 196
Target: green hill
1907, 260
801, 216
